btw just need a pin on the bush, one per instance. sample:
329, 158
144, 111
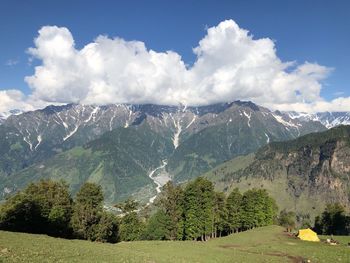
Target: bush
287, 220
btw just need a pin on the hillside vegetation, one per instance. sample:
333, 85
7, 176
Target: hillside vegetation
194, 213
302, 175
119, 161
266, 244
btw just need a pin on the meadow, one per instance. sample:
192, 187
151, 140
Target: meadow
265, 244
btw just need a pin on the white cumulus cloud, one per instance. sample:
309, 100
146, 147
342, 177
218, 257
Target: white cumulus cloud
230, 65
13, 99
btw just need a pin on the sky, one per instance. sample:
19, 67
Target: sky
286, 55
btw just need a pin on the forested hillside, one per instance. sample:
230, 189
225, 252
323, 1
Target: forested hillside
303, 175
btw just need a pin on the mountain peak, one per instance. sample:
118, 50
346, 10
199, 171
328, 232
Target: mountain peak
248, 104
5, 115
51, 109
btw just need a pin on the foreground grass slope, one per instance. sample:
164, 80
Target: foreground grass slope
266, 244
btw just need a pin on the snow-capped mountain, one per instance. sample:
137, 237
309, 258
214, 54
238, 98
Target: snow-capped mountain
2, 118
328, 119
138, 138
75, 124
5, 115
120, 144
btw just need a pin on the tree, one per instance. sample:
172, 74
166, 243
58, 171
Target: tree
158, 227
128, 206
198, 209
192, 214
234, 211
304, 220
252, 209
220, 214
318, 227
46, 207
107, 228
87, 211
55, 204
270, 208
333, 221
130, 227
21, 213
171, 203
43, 207
258, 209
287, 220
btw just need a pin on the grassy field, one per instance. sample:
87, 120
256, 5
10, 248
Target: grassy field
267, 244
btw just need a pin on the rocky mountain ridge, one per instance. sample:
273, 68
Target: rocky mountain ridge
303, 174
82, 123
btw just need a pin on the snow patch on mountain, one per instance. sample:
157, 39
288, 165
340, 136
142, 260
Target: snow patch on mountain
267, 138
5, 115
128, 121
282, 121
328, 119
192, 121
65, 125
248, 116
71, 133
39, 138
178, 129
111, 121
27, 140
92, 115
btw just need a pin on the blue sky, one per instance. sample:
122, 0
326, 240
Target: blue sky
312, 31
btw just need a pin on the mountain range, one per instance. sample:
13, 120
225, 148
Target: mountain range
328, 119
120, 146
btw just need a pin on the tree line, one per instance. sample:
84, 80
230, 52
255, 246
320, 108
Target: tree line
47, 207
193, 212
197, 212
333, 221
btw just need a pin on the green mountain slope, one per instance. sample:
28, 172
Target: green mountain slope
248, 128
302, 175
120, 161
194, 140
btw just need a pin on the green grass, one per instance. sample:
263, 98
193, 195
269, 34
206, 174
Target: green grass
267, 244
343, 240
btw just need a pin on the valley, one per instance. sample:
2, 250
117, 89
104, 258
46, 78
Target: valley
133, 150
195, 139
175, 131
